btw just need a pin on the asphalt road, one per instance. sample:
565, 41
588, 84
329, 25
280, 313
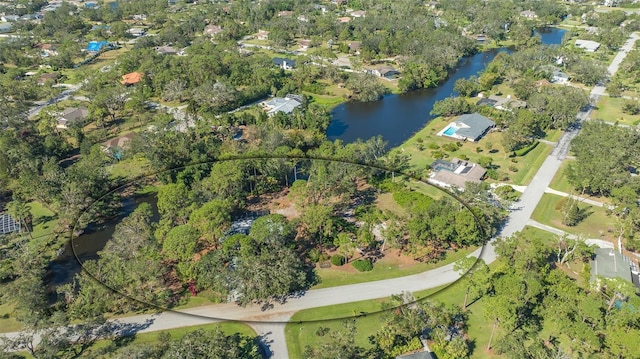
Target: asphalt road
270, 323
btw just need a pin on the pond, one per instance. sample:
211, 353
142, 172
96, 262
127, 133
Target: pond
397, 117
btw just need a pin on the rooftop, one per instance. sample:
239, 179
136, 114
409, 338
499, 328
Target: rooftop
610, 264
131, 78
588, 45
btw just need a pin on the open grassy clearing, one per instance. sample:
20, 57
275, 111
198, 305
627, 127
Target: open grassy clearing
596, 224
489, 146
609, 109
7, 322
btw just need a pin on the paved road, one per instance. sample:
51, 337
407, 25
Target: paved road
270, 323
35, 110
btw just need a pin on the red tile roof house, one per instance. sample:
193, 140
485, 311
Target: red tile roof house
131, 78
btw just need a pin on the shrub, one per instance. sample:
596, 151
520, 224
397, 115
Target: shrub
463, 157
420, 140
420, 147
513, 168
523, 151
314, 255
438, 155
362, 265
337, 260
433, 146
478, 149
493, 174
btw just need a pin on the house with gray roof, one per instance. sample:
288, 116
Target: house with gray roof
282, 104
6, 27
72, 115
608, 263
468, 127
455, 173
417, 355
588, 45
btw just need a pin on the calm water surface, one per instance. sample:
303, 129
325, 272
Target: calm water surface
397, 117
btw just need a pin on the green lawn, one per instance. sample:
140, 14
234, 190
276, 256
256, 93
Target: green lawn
609, 109
130, 168
525, 167
7, 323
388, 267
595, 225
44, 221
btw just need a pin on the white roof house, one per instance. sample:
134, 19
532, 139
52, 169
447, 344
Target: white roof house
282, 104
588, 45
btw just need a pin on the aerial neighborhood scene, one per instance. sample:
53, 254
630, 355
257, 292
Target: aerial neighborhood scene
378, 179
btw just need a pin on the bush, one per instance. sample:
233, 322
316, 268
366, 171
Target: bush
513, 168
523, 151
338, 260
493, 174
478, 149
362, 265
463, 157
433, 146
314, 255
438, 155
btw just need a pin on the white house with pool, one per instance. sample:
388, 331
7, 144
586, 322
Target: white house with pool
468, 127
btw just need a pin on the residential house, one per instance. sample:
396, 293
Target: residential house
212, 30
172, 2
529, 14
47, 50
285, 13
303, 18
115, 146
166, 50
501, 103
139, 17
608, 263
343, 20
282, 104
468, 127
262, 35
588, 45
136, 31
5, 27
131, 78
9, 18
304, 44
8, 224
354, 46
71, 116
91, 5
559, 77
417, 355
358, 13
285, 64
455, 173
322, 8
385, 71
49, 77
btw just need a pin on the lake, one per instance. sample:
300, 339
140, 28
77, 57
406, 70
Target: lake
397, 117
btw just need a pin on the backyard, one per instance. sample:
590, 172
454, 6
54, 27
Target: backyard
517, 170
609, 109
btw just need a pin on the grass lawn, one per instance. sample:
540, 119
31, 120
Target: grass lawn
130, 168
44, 221
609, 109
7, 323
388, 267
490, 145
595, 225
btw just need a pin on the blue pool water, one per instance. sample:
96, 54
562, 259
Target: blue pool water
449, 131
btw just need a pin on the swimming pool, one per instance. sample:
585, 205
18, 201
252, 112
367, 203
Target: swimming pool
450, 131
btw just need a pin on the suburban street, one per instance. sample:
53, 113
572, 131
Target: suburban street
270, 323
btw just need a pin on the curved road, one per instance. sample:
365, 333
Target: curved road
270, 324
